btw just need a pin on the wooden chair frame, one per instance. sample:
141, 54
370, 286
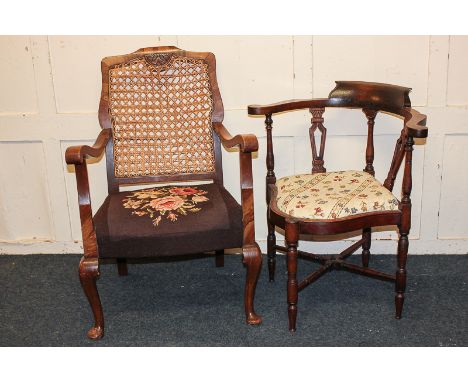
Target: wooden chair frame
371, 98
76, 155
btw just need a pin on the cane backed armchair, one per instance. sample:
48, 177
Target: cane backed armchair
161, 116
325, 203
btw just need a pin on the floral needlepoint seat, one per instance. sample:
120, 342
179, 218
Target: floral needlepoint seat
173, 220
161, 115
333, 205
333, 195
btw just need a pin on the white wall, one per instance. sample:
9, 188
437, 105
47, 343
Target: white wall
49, 97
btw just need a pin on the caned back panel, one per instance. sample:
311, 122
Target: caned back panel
160, 106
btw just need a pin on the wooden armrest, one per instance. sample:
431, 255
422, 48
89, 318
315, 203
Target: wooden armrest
289, 105
77, 154
247, 142
415, 122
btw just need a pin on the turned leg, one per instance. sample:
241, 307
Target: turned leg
89, 272
292, 237
271, 251
122, 267
252, 258
366, 235
219, 258
400, 284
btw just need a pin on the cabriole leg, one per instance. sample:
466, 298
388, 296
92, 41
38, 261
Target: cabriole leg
292, 237
89, 272
252, 258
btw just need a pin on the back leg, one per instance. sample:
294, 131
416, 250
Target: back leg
271, 251
219, 258
122, 267
366, 235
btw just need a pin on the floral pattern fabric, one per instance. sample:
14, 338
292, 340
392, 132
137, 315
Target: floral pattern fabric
165, 202
333, 195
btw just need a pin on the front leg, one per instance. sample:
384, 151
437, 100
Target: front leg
252, 258
89, 272
292, 237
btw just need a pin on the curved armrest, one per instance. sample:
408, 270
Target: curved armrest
247, 142
415, 122
77, 154
289, 105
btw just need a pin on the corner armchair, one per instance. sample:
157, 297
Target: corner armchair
161, 116
325, 203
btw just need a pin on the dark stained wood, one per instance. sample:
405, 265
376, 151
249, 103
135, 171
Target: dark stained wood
219, 258
89, 264
122, 267
370, 114
370, 95
367, 271
398, 156
89, 272
366, 237
371, 98
289, 105
271, 252
314, 276
270, 180
404, 228
386, 98
252, 258
247, 143
317, 124
292, 237
322, 259
76, 155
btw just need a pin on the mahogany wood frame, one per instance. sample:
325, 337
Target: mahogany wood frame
371, 98
76, 155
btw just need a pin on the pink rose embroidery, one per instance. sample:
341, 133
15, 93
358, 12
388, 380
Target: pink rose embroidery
169, 202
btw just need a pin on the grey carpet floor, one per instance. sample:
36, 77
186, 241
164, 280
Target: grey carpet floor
193, 303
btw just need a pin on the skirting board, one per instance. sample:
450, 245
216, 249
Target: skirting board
417, 247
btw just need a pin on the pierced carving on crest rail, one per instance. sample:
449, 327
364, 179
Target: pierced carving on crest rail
158, 59
317, 123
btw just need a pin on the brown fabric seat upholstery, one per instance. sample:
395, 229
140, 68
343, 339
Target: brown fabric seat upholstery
161, 115
170, 220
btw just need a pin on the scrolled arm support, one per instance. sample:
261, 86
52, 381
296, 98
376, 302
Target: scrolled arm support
415, 123
77, 154
247, 143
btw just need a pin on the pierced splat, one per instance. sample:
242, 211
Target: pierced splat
370, 114
370, 98
398, 155
317, 123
